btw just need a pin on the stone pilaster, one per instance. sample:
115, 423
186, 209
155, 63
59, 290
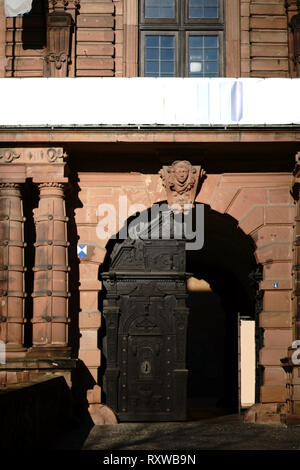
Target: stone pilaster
50, 297
291, 12
61, 25
292, 369
12, 269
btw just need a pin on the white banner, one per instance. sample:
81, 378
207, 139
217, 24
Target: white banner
17, 7
138, 101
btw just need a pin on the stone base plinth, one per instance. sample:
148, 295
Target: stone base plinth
266, 413
18, 370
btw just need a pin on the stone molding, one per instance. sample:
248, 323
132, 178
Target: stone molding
41, 164
32, 155
56, 5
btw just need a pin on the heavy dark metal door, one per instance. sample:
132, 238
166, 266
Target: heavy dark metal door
146, 319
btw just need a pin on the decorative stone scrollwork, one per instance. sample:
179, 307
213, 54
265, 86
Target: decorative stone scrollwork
58, 60
54, 154
181, 181
8, 155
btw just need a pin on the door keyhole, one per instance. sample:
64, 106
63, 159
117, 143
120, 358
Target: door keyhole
146, 367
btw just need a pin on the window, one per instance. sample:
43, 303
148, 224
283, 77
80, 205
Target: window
181, 38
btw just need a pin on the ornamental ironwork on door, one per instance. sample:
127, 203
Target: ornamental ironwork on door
146, 317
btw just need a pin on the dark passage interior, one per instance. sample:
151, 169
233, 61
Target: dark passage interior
224, 285
212, 358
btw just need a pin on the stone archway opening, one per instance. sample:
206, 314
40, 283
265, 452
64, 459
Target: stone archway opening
145, 283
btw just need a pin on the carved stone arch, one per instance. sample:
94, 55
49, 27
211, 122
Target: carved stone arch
145, 311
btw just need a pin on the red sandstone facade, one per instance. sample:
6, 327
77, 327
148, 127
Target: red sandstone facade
50, 314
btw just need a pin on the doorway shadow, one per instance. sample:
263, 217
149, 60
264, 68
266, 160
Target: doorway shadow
225, 287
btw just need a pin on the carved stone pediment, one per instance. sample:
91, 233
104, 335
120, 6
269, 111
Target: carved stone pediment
181, 180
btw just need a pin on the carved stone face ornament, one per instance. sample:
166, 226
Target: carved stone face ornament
180, 181
182, 176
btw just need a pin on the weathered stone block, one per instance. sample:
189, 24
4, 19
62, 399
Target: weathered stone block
272, 356
89, 320
273, 394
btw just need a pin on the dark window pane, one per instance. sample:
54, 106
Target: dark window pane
196, 41
196, 13
211, 67
151, 66
167, 54
159, 8
211, 3
167, 41
167, 67
211, 54
152, 41
210, 41
151, 53
162, 51
203, 9
210, 13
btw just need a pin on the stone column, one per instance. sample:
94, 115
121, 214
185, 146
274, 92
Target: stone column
12, 269
50, 297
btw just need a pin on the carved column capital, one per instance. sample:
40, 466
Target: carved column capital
59, 5
11, 186
181, 180
52, 185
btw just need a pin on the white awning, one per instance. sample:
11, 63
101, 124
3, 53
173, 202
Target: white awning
17, 7
149, 101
